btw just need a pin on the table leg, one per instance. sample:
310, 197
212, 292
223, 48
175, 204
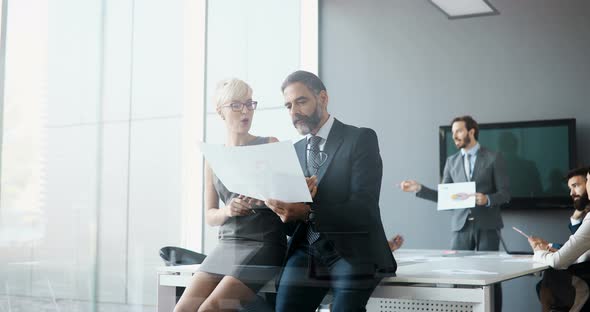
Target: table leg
488, 300
166, 297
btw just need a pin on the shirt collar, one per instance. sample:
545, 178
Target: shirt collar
472, 152
324, 130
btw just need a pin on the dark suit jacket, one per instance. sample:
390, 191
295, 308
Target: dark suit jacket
490, 177
574, 228
347, 202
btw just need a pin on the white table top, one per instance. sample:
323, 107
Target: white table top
179, 269
460, 267
441, 267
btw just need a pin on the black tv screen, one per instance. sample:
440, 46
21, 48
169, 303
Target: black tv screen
538, 154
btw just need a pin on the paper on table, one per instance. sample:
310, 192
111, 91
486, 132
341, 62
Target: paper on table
527, 259
259, 171
491, 256
456, 195
463, 272
420, 259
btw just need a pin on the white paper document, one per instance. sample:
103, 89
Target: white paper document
265, 171
456, 195
528, 259
497, 256
420, 259
463, 272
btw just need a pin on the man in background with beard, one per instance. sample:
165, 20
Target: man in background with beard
576, 181
562, 289
476, 228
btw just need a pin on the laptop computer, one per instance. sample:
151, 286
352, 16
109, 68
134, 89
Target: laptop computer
514, 252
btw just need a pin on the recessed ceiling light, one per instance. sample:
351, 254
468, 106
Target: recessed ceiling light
465, 8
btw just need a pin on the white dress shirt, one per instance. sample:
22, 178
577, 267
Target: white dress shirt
473, 152
575, 222
322, 133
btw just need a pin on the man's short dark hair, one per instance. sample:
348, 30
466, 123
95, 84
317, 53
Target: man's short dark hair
310, 80
470, 123
581, 171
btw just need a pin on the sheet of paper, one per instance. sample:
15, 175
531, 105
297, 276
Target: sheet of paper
525, 260
413, 259
259, 171
420, 258
463, 272
492, 256
456, 195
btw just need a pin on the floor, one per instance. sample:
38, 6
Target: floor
35, 304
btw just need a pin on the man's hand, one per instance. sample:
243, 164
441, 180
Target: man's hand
579, 215
410, 186
481, 199
312, 185
288, 211
396, 242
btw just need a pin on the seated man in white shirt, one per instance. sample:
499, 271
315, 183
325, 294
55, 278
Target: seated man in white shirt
568, 289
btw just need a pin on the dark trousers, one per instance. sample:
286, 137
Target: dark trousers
470, 238
313, 270
555, 290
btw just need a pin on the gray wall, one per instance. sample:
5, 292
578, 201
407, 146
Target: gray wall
402, 68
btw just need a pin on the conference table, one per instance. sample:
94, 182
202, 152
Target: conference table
426, 280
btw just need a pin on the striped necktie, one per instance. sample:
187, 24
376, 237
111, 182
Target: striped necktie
467, 165
313, 165
313, 157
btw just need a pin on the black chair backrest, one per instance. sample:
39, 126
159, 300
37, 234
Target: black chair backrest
180, 256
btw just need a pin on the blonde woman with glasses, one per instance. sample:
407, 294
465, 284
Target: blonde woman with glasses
252, 242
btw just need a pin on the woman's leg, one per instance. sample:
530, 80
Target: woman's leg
582, 293
201, 286
229, 295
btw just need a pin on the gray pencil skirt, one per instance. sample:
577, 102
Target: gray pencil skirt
253, 263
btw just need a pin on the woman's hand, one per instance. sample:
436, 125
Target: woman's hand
538, 243
238, 206
254, 202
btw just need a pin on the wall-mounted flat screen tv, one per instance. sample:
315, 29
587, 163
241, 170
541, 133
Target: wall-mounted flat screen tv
538, 155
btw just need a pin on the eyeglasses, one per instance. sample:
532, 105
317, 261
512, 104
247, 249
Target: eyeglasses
238, 107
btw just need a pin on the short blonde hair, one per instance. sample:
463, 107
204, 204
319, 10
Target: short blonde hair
229, 90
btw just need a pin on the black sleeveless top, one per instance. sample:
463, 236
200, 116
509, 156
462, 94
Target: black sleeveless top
262, 226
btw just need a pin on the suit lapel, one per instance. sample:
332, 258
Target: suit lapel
332, 144
458, 169
479, 162
462, 167
301, 149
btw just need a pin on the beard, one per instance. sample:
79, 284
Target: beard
305, 124
464, 143
580, 202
